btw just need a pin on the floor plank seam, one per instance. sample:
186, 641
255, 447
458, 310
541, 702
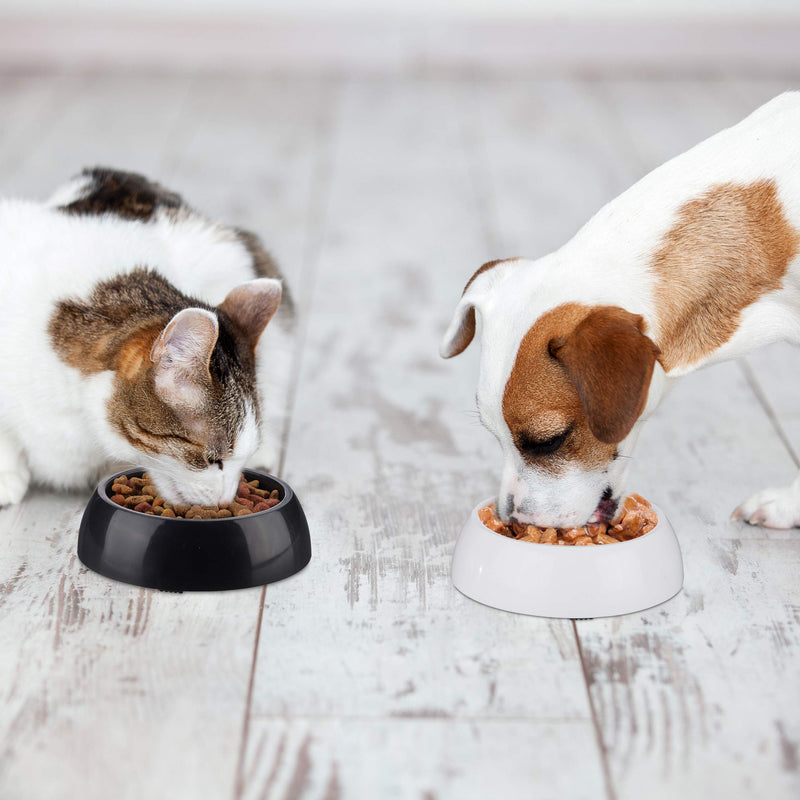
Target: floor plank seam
610, 793
316, 222
239, 783
424, 717
755, 385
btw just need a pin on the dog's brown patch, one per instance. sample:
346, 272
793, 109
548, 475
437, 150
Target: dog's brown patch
726, 249
610, 361
539, 395
575, 368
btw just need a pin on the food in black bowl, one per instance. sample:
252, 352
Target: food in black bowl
176, 554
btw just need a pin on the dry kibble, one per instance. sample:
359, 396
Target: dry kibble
135, 499
637, 517
140, 494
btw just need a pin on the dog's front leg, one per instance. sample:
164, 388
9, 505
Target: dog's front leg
772, 508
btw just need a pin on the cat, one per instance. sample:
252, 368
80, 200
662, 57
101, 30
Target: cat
128, 336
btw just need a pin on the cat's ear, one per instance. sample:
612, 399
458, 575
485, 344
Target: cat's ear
181, 354
252, 305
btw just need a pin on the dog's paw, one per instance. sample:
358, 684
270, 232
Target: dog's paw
771, 508
13, 485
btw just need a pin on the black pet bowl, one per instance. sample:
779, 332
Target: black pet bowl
180, 555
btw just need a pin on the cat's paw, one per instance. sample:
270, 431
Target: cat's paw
13, 485
771, 508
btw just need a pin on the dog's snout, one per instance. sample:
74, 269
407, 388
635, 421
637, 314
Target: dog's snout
505, 507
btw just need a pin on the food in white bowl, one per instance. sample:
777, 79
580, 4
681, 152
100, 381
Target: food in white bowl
635, 518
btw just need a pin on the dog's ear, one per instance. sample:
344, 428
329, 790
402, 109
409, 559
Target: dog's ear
461, 330
610, 362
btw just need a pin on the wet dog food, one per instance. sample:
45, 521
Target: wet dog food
139, 494
636, 519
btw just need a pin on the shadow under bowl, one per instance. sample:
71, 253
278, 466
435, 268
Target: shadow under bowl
179, 555
546, 580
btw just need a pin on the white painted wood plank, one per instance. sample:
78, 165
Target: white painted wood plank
776, 370
108, 121
699, 697
121, 691
30, 103
231, 159
386, 455
653, 121
419, 758
549, 160
700, 694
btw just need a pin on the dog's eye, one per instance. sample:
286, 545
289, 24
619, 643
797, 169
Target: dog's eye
542, 447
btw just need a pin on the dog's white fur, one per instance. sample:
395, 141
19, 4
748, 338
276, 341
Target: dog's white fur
53, 420
606, 263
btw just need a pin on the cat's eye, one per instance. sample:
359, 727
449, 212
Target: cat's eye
535, 448
210, 462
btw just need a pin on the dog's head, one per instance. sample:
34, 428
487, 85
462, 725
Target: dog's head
561, 386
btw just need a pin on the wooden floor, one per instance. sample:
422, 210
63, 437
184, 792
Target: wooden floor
368, 675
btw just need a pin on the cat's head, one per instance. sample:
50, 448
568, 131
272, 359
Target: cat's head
185, 394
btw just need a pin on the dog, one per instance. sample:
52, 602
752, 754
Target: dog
697, 263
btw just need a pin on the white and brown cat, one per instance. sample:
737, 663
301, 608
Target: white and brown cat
128, 335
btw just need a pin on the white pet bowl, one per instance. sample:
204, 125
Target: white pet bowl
547, 580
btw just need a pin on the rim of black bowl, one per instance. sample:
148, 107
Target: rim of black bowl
103, 486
